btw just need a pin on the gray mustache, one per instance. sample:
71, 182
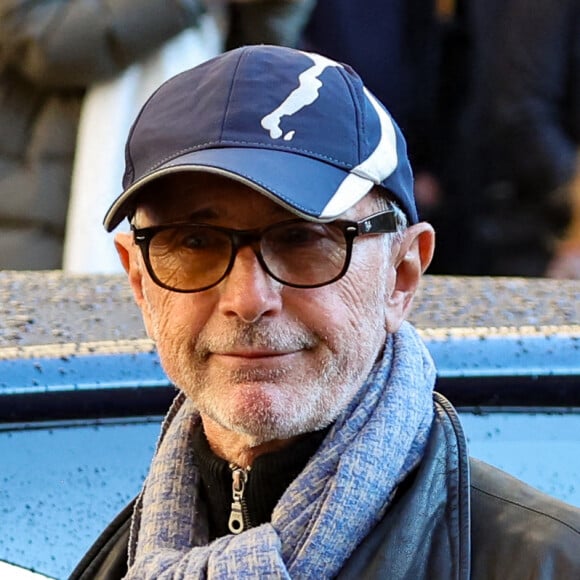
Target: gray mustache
258, 336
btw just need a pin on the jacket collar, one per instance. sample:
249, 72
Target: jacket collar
425, 533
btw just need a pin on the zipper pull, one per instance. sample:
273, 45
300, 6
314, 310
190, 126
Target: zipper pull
237, 522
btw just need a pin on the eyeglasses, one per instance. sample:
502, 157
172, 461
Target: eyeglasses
191, 257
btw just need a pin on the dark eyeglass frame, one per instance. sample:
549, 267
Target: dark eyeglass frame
383, 222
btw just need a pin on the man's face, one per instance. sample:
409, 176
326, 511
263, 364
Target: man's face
253, 355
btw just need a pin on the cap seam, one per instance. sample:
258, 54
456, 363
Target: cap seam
359, 109
229, 96
128, 155
258, 145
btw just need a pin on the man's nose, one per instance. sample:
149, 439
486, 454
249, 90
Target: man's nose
249, 292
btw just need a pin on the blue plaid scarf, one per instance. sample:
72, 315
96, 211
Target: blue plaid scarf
326, 511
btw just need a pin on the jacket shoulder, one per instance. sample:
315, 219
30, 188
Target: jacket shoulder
519, 531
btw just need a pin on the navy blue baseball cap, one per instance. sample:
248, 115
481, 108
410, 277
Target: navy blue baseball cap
297, 127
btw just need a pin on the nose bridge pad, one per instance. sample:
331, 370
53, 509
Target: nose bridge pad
258, 253
270, 276
254, 246
253, 240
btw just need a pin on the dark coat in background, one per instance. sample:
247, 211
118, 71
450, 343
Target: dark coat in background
50, 52
519, 137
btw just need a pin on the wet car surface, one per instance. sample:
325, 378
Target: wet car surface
82, 394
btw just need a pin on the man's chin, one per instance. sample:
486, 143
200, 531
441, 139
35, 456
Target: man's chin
263, 410
265, 425
260, 423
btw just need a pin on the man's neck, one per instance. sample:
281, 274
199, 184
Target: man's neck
264, 484
238, 448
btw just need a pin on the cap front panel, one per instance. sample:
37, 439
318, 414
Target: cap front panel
294, 106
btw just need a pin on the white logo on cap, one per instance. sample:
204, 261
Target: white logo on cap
305, 94
379, 164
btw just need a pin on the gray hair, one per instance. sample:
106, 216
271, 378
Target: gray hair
383, 203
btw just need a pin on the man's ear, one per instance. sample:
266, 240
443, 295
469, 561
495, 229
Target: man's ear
129, 256
410, 258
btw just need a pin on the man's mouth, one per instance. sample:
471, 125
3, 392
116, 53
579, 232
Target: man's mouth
255, 343
253, 353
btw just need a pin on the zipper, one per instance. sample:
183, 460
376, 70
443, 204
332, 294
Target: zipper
239, 518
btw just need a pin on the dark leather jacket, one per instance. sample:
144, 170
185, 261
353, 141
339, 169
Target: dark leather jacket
454, 518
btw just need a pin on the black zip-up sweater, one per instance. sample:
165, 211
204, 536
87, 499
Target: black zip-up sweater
269, 477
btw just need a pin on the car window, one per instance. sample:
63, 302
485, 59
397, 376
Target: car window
542, 449
63, 483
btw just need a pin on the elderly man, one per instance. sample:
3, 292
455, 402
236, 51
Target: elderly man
275, 252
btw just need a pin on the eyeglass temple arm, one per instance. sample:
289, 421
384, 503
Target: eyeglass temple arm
379, 223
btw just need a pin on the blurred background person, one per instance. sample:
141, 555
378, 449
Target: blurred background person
50, 52
513, 174
262, 21
488, 92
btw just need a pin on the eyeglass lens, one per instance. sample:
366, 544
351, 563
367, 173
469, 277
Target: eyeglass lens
192, 257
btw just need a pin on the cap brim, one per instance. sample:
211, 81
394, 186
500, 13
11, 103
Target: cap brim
305, 186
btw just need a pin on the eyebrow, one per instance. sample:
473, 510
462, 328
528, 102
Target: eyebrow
206, 213
209, 213
196, 216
